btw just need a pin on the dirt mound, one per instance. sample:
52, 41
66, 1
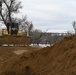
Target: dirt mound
60, 59
15, 40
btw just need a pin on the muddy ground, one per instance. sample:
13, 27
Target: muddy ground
8, 54
60, 59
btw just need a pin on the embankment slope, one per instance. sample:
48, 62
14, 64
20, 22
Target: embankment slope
60, 59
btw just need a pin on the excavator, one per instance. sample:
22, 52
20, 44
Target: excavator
13, 36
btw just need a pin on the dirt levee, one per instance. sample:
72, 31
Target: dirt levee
60, 59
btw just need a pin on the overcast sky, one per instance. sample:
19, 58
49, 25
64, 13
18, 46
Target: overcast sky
51, 15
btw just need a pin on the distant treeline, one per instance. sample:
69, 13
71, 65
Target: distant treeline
38, 37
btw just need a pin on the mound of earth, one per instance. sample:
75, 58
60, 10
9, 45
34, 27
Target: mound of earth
60, 59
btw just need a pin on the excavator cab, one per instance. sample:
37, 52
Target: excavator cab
12, 35
12, 29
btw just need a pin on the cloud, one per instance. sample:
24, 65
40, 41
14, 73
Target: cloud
51, 13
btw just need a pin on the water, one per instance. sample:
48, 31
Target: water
35, 45
40, 45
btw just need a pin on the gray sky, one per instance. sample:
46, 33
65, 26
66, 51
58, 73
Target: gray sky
54, 15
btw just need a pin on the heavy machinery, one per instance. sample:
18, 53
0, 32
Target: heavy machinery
13, 36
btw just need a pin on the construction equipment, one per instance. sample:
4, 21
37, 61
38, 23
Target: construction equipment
13, 36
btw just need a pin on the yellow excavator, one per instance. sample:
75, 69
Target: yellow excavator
13, 35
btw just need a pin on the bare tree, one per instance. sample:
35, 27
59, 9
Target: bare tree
74, 26
36, 36
25, 25
8, 9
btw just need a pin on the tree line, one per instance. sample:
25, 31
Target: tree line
8, 13
38, 37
